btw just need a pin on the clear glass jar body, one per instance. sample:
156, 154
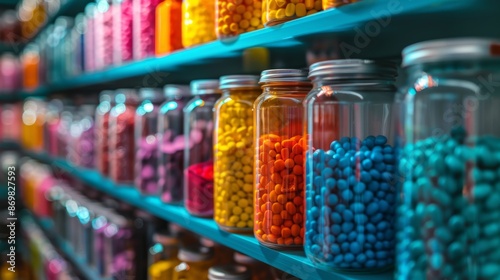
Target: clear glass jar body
104, 34
86, 142
198, 22
162, 257
146, 139
102, 114
144, 28
168, 37
11, 121
121, 262
234, 19
350, 167
448, 218
89, 37
198, 155
279, 11
33, 120
279, 158
30, 61
195, 265
233, 159
122, 33
172, 143
10, 74
330, 4
121, 138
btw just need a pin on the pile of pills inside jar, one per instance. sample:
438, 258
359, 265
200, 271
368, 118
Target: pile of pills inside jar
449, 221
238, 16
350, 201
278, 11
199, 197
146, 178
198, 22
279, 193
234, 166
170, 172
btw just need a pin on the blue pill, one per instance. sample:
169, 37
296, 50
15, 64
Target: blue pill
388, 150
343, 162
335, 249
332, 199
318, 181
329, 154
335, 229
340, 208
376, 218
347, 172
352, 236
317, 199
381, 255
348, 257
380, 166
365, 177
348, 215
338, 259
332, 163
360, 219
372, 208
373, 263
379, 245
371, 238
346, 146
344, 247
373, 186
327, 173
347, 227
383, 206
357, 207
337, 173
388, 158
371, 228
367, 164
436, 261
384, 187
330, 183
319, 155
383, 225
340, 152
345, 139
361, 258
361, 238
314, 212
380, 140
380, 236
336, 218
342, 238
355, 248
360, 228
347, 195
367, 196
381, 194
359, 188
330, 239
355, 140
352, 181
315, 249
370, 254
374, 174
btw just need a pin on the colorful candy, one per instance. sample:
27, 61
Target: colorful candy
198, 24
122, 35
144, 28
279, 11
238, 16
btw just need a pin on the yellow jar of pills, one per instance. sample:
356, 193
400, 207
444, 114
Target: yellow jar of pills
279, 11
233, 153
238, 16
198, 22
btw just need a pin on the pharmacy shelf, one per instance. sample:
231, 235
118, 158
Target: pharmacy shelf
294, 263
63, 247
8, 4
22, 95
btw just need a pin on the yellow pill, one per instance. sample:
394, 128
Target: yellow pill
234, 219
247, 15
257, 13
244, 23
250, 224
272, 5
234, 198
311, 12
281, 3
248, 179
237, 210
231, 204
247, 169
238, 2
225, 29
290, 10
295, 1
300, 9
236, 18
241, 224
240, 9
231, 7
227, 19
244, 217
280, 13
242, 203
318, 5
248, 188
258, 4
250, 9
309, 4
249, 2
249, 210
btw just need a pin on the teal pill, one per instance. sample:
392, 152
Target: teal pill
470, 213
436, 261
455, 250
456, 223
444, 235
454, 164
491, 230
488, 271
481, 191
417, 248
493, 202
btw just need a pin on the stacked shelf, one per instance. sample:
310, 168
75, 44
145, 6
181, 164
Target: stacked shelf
294, 263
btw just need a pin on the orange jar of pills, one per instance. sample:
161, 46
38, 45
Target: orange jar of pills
329, 4
279, 11
168, 37
198, 22
279, 160
238, 16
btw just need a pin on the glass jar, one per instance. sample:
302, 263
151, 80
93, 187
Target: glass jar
99, 225
121, 137
52, 121
63, 131
89, 37
172, 143
122, 31
279, 11
198, 22
168, 37
448, 217
119, 237
86, 142
279, 181
30, 60
234, 19
329, 4
198, 152
144, 28
10, 120
33, 122
107, 101
195, 262
233, 153
163, 256
146, 132
10, 74
258, 269
229, 272
350, 165
103, 34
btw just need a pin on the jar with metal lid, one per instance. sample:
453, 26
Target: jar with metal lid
107, 101
280, 11
146, 133
237, 17
330, 4
144, 28
229, 272
279, 158
168, 29
233, 153
259, 270
448, 218
162, 257
121, 136
198, 22
171, 143
198, 151
350, 165
195, 262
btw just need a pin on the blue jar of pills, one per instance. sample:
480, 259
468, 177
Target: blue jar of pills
448, 224
350, 165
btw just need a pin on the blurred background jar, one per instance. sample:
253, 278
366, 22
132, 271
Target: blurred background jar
168, 28
144, 28
162, 257
33, 120
103, 110
279, 158
195, 262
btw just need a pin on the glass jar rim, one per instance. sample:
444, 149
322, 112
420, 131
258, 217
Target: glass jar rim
195, 254
236, 272
284, 76
353, 69
451, 50
239, 81
206, 86
150, 94
172, 90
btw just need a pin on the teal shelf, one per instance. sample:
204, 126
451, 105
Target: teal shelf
22, 95
294, 263
63, 247
9, 4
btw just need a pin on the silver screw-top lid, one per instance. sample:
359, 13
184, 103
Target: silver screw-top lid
451, 49
170, 91
229, 272
284, 75
239, 81
152, 94
351, 69
199, 87
122, 95
195, 254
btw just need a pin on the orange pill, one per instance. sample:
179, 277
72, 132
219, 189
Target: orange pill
295, 230
277, 208
280, 241
298, 200
272, 153
284, 172
289, 163
272, 195
274, 137
264, 237
299, 159
288, 223
290, 208
264, 170
277, 221
259, 232
276, 178
277, 146
276, 230
281, 199
285, 154
285, 215
288, 143
302, 230
297, 149
297, 241
263, 207
286, 232
278, 157
289, 241
263, 180
279, 165
264, 197
297, 218
270, 186
297, 170
268, 144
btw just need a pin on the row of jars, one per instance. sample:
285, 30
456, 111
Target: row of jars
10, 121
113, 32
132, 243
323, 164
